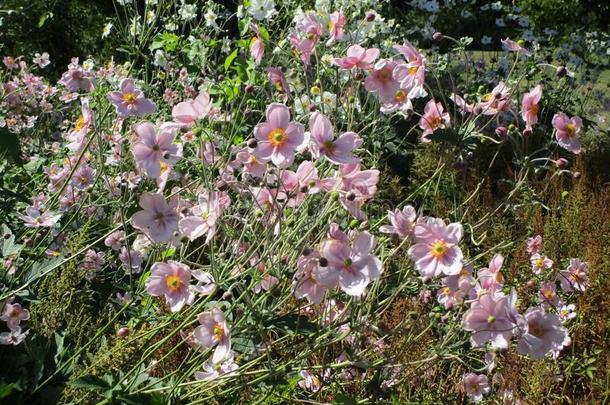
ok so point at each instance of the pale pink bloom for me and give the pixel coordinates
(534, 245)
(541, 333)
(567, 312)
(204, 215)
(358, 57)
(305, 282)
(252, 165)
(355, 187)
(14, 337)
(548, 294)
(298, 185)
(10, 62)
(34, 218)
(158, 219)
(353, 265)
(212, 370)
(78, 136)
(476, 386)
(491, 278)
(403, 222)
(130, 100)
(490, 360)
(457, 288)
(205, 282)
(115, 240)
(510, 45)
(339, 151)
(278, 138)
(257, 45)
(495, 102)
(267, 282)
(214, 332)
(434, 118)
(83, 177)
(381, 80)
(309, 381)
(171, 280)
(575, 276)
(131, 260)
(93, 260)
(540, 262)
(566, 131)
(336, 23)
(490, 319)
(530, 106)
(77, 78)
(13, 314)
(436, 249)
(155, 148)
(188, 112)
(411, 75)
(306, 37)
(278, 80)
(41, 60)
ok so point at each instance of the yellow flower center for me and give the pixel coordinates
(571, 129)
(491, 319)
(487, 97)
(413, 70)
(385, 75)
(400, 96)
(534, 109)
(218, 332)
(79, 124)
(277, 137)
(129, 98)
(438, 249)
(331, 25)
(278, 84)
(435, 122)
(539, 262)
(163, 166)
(446, 291)
(173, 282)
(549, 294)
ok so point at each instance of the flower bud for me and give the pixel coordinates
(561, 71)
(527, 131)
(323, 261)
(249, 89)
(437, 36)
(561, 163)
(501, 132)
(252, 143)
(123, 332)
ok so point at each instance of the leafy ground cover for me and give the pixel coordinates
(330, 202)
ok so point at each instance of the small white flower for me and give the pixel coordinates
(160, 58)
(210, 18)
(106, 30)
(485, 40)
(187, 12)
(262, 9)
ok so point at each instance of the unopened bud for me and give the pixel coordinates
(252, 143)
(323, 262)
(561, 71)
(249, 89)
(561, 163)
(123, 332)
(501, 132)
(437, 36)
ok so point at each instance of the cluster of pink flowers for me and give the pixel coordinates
(13, 313)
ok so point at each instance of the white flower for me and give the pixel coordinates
(106, 30)
(497, 6)
(210, 18)
(302, 104)
(485, 40)
(171, 26)
(187, 12)
(500, 22)
(160, 58)
(42, 60)
(431, 6)
(135, 27)
(226, 45)
(89, 64)
(124, 2)
(262, 9)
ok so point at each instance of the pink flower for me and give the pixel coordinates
(566, 131)
(534, 245)
(278, 138)
(403, 222)
(491, 278)
(257, 45)
(530, 107)
(358, 57)
(495, 102)
(353, 265)
(489, 319)
(306, 37)
(115, 240)
(13, 314)
(540, 262)
(158, 219)
(214, 332)
(476, 386)
(188, 112)
(298, 185)
(434, 118)
(212, 370)
(34, 218)
(78, 136)
(204, 215)
(14, 337)
(278, 80)
(309, 381)
(575, 276)
(155, 148)
(548, 294)
(381, 80)
(305, 283)
(510, 45)
(542, 333)
(336, 23)
(130, 100)
(436, 249)
(567, 312)
(338, 151)
(131, 260)
(83, 177)
(77, 78)
(171, 280)
(251, 164)
(411, 75)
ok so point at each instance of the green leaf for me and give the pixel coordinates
(6, 389)
(264, 33)
(343, 399)
(230, 59)
(10, 148)
(39, 268)
(92, 382)
(291, 323)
